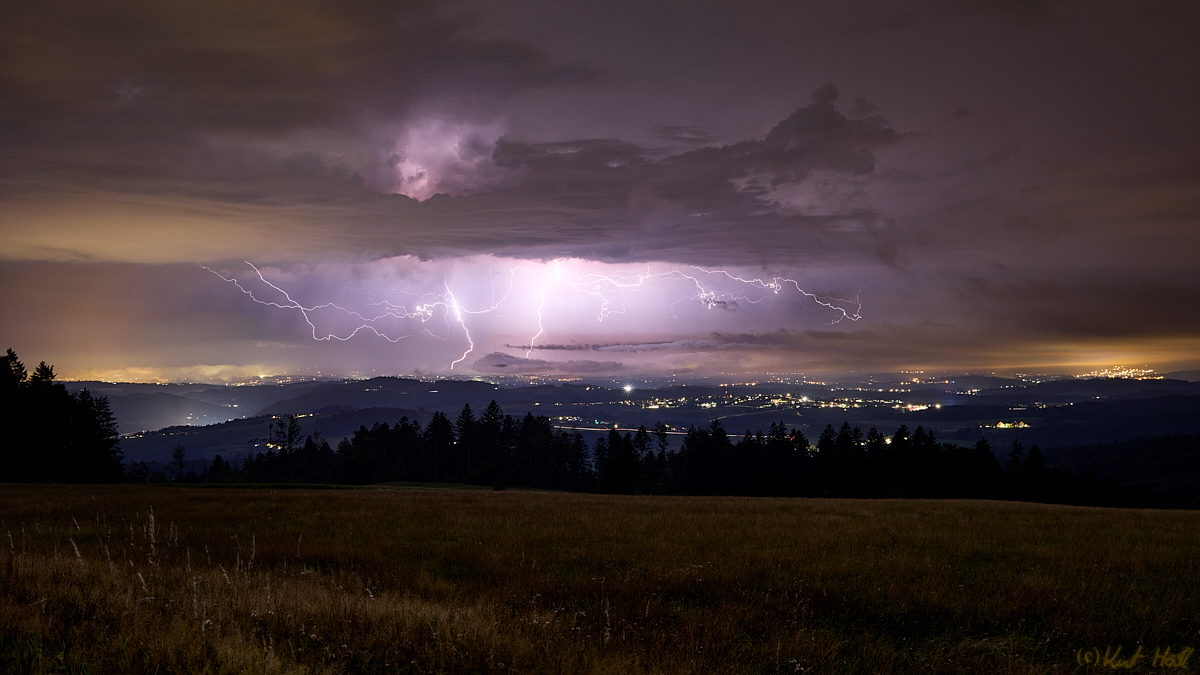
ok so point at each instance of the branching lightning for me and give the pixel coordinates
(458, 315)
(423, 311)
(610, 294)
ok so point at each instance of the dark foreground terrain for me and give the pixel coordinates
(156, 579)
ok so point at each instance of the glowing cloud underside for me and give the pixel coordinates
(491, 302)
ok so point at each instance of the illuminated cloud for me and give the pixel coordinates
(433, 156)
(440, 313)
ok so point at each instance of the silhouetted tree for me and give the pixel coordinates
(93, 454)
(317, 459)
(893, 464)
(219, 471)
(179, 463)
(1037, 476)
(876, 453)
(787, 465)
(42, 375)
(408, 438)
(578, 475)
(486, 448)
(980, 473)
(48, 434)
(465, 426)
(12, 372)
(843, 460)
(619, 472)
(924, 474)
(531, 459)
(1014, 471)
(439, 445)
(703, 457)
(359, 456)
(530, 452)
(138, 472)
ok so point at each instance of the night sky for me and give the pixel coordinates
(197, 190)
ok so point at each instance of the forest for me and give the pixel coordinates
(502, 451)
(54, 436)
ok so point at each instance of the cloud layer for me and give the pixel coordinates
(1000, 185)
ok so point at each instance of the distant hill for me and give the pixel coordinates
(386, 392)
(445, 395)
(141, 407)
(232, 439)
(252, 398)
(1075, 390)
(1101, 422)
(1062, 412)
(139, 412)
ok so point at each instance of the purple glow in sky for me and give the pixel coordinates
(472, 311)
(1002, 184)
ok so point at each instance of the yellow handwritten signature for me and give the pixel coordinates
(1111, 658)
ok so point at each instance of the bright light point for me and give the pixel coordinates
(628, 388)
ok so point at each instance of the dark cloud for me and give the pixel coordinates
(673, 345)
(861, 107)
(1088, 310)
(775, 340)
(814, 137)
(557, 348)
(628, 188)
(685, 135)
(500, 363)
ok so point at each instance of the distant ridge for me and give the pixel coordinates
(385, 392)
(1189, 375)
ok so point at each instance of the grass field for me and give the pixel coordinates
(161, 580)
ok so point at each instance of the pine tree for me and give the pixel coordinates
(12, 372)
(1014, 471)
(179, 462)
(465, 426)
(439, 441)
(93, 455)
(42, 375)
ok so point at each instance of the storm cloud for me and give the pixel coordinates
(993, 185)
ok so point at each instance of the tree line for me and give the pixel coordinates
(489, 449)
(501, 450)
(50, 435)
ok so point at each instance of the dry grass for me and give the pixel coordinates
(144, 579)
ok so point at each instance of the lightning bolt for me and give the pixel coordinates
(776, 284)
(424, 312)
(556, 276)
(458, 314)
(611, 292)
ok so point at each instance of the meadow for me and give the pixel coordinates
(156, 579)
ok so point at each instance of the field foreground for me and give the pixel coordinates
(154, 580)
